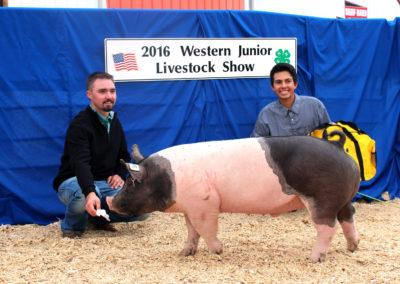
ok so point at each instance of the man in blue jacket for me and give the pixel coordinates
(90, 169)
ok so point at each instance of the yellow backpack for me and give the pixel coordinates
(358, 145)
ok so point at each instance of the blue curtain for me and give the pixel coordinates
(46, 55)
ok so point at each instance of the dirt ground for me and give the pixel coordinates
(257, 249)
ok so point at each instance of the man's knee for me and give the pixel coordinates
(77, 204)
(142, 217)
(73, 199)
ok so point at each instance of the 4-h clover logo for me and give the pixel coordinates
(282, 56)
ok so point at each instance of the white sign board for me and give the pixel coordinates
(139, 59)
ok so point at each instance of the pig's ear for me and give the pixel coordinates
(135, 171)
(136, 155)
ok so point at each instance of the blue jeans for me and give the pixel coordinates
(70, 193)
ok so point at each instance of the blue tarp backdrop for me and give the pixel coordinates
(353, 66)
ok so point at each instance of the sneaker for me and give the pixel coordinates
(105, 227)
(71, 235)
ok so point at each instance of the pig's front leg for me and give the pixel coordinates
(192, 240)
(206, 224)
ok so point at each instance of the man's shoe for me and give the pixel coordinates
(71, 235)
(105, 227)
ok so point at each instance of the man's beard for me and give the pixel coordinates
(108, 108)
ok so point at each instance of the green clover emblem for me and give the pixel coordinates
(282, 56)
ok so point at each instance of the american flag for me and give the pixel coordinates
(125, 61)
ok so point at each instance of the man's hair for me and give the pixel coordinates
(97, 75)
(283, 67)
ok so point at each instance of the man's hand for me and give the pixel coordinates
(115, 181)
(92, 203)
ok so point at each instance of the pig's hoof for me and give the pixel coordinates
(218, 251)
(215, 246)
(318, 258)
(188, 251)
(352, 246)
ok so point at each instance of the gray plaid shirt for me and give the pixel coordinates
(276, 120)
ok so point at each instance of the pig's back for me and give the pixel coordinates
(237, 170)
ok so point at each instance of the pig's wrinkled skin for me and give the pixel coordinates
(255, 176)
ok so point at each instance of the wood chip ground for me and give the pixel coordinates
(257, 249)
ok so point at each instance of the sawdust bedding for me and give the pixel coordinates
(257, 249)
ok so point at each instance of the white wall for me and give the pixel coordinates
(317, 8)
(388, 9)
(58, 3)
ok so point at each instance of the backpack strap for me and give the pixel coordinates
(352, 125)
(358, 151)
(321, 126)
(325, 134)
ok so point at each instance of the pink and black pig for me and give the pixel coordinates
(270, 175)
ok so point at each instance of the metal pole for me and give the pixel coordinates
(102, 3)
(251, 5)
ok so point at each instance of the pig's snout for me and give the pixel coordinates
(109, 200)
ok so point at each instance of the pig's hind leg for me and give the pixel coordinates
(345, 217)
(324, 237)
(325, 222)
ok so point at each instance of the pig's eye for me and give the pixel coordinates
(136, 183)
(129, 184)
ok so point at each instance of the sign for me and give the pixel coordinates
(355, 12)
(352, 10)
(139, 59)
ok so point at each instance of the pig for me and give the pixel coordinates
(265, 175)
